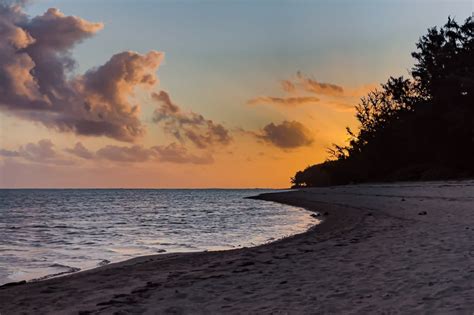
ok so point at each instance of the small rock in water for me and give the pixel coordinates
(422, 213)
(161, 251)
(315, 215)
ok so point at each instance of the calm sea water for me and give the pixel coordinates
(48, 232)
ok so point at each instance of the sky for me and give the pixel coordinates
(188, 93)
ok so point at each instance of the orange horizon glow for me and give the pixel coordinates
(89, 104)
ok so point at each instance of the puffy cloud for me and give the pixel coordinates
(106, 93)
(57, 32)
(16, 83)
(286, 135)
(284, 101)
(188, 126)
(81, 151)
(41, 152)
(36, 80)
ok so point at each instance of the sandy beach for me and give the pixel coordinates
(388, 248)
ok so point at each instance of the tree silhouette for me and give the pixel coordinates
(416, 128)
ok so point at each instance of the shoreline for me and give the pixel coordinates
(124, 261)
(376, 255)
(325, 229)
(262, 197)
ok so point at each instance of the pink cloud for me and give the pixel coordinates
(37, 81)
(41, 152)
(188, 126)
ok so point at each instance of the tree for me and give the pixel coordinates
(416, 128)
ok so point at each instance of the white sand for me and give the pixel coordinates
(374, 253)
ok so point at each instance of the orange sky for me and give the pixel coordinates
(86, 102)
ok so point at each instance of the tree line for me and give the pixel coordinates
(416, 128)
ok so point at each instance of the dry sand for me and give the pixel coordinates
(404, 248)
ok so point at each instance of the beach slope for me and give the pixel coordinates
(398, 248)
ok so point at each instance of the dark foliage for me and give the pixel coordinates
(421, 128)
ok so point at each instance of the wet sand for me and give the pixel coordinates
(402, 248)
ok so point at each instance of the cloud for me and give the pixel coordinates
(286, 135)
(303, 88)
(57, 32)
(9, 153)
(172, 153)
(136, 153)
(37, 81)
(288, 86)
(107, 91)
(304, 83)
(340, 106)
(176, 153)
(301, 84)
(188, 126)
(41, 152)
(313, 86)
(81, 151)
(284, 101)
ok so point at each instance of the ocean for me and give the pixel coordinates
(47, 232)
